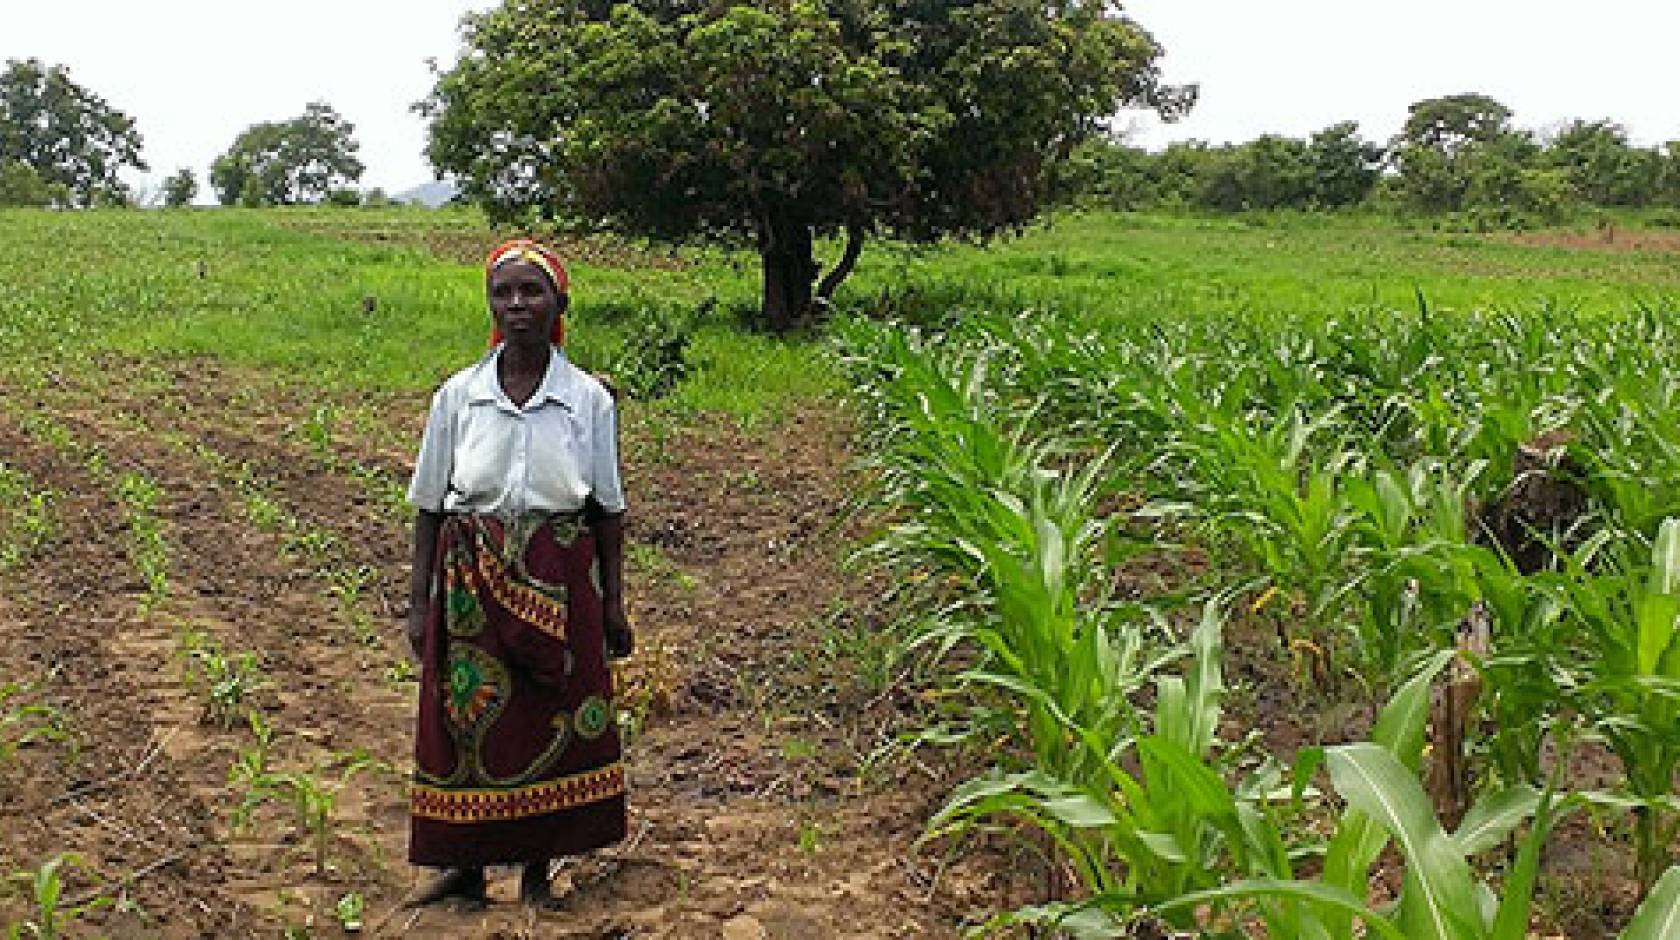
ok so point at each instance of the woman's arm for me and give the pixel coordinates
(426, 526)
(609, 557)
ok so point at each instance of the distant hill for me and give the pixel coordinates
(431, 194)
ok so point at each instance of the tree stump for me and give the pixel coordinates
(1452, 704)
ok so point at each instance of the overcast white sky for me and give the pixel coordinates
(1295, 66)
(194, 73)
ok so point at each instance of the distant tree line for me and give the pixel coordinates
(853, 159)
(62, 145)
(1457, 154)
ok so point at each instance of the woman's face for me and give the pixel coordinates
(523, 302)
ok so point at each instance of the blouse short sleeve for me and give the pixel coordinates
(430, 483)
(605, 484)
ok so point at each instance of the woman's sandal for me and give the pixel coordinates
(465, 886)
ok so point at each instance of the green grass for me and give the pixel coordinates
(1105, 264)
(283, 289)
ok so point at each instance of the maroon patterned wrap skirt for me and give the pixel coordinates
(517, 753)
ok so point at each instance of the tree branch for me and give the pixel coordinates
(843, 267)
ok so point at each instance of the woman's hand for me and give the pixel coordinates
(609, 552)
(620, 641)
(427, 525)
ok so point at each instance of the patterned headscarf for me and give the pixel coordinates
(546, 261)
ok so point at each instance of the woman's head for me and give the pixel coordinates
(526, 285)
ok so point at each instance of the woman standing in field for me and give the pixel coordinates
(516, 599)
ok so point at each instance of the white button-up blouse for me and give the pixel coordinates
(482, 453)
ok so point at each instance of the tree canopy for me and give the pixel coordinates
(287, 162)
(1451, 123)
(1459, 150)
(180, 188)
(1602, 165)
(774, 123)
(59, 142)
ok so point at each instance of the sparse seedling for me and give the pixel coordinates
(351, 910)
(748, 481)
(401, 672)
(851, 649)
(263, 511)
(347, 585)
(139, 496)
(51, 432)
(650, 562)
(318, 431)
(260, 506)
(312, 795)
(249, 772)
(23, 723)
(26, 518)
(798, 749)
(224, 683)
(51, 916)
(315, 546)
(810, 836)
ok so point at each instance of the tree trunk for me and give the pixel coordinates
(784, 247)
(843, 267)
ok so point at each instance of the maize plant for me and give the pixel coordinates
(23, 723)
(52, 915)
(1630, 689)
(1348, 463)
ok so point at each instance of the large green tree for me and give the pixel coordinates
(1269, 172)
(20, 185)
(1602, 165)
(72, 141)
(1455, 122)
(287, 162)
(1450, 142)
(774, 123)
(1345, 166)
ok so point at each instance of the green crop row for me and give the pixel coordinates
(26, 518)
(1342, 473)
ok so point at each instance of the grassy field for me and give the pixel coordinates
(286, 289)
(206, 419)
(1107, 266)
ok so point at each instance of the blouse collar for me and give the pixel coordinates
(486, 388)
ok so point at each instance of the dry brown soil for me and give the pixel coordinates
(1609, 238)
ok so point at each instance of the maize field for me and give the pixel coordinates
(1355, 495)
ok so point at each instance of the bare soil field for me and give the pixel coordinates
(1607, 238)
(285, 539)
